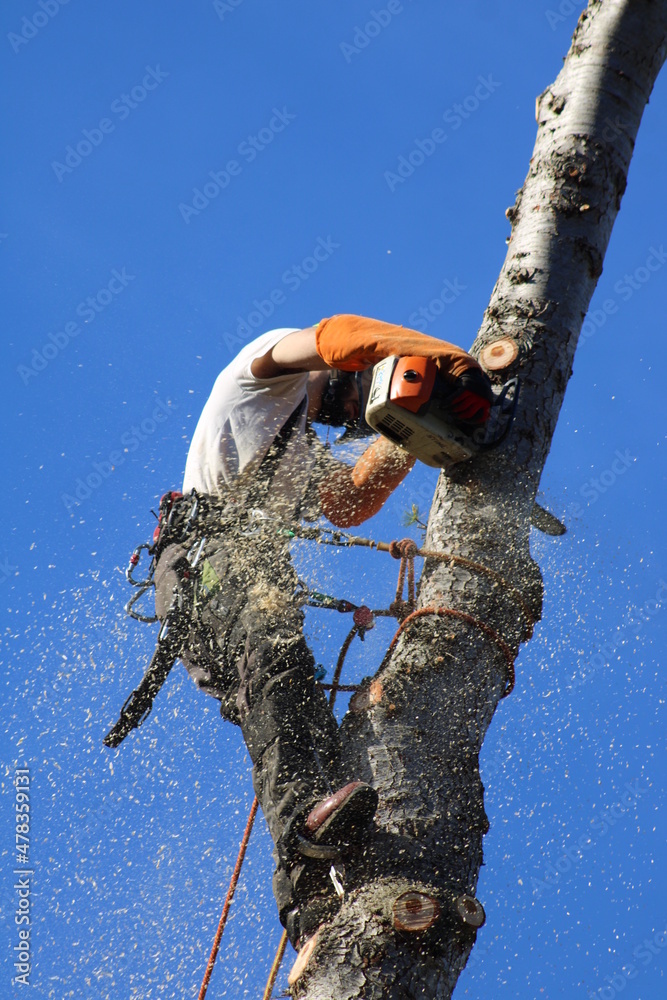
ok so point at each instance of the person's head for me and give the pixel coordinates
(343, 402)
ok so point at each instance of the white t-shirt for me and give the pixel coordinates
(239, 423)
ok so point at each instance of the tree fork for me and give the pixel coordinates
(418, 740)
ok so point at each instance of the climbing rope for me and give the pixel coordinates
(406, 550)
(275, 968)
(329, 536)
(405, 611)
(228, 901)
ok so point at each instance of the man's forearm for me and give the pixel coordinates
(354, 343)
(351, 495)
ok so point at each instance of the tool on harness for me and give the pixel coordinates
(411, 404)
(176, 522)
(142, 585)
(139, 704)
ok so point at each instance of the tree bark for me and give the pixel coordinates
(419, 741)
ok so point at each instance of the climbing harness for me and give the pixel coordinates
(182, 520)
(176, 523)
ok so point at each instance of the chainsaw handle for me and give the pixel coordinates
(507, 409)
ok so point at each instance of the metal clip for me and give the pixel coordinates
(129, 607)
(192, 515)
(193, 561)
(337, 884)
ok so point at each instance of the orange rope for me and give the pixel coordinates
(392, 547)
(463, 616)
(405, 550)
(487, 571)
(228, 901)
(268, 990)
(404, 610)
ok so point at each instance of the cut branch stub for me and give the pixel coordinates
(500, 354)
(366, 697)
(470, 910)
(302, 959)
(415, 911)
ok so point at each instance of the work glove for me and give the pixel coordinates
(472, 397)
(353, 343)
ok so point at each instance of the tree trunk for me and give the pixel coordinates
(417, 737)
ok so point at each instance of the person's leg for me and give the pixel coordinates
(276, 702)
(314, 817)
(246, 648)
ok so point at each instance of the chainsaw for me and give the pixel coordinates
(408, 403)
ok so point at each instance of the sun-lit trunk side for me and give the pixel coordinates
(419, 741)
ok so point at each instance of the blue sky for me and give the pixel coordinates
(125, 291)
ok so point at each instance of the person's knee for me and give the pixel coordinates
(276, 664)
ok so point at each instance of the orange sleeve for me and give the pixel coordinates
(350, 495)
(353, 343)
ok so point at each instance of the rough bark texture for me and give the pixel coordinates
(419, 745)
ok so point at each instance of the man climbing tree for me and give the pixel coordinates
(408, 920)
(226, 590)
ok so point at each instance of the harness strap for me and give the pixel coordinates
(268, 467)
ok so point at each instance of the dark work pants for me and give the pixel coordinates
(245, 647)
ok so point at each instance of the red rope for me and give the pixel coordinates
(405, 550)
(228, 901)
(404, 610)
